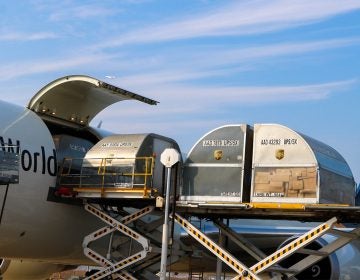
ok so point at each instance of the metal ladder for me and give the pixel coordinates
(271, 261)
(110, 268)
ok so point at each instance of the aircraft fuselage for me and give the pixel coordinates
(41, 229)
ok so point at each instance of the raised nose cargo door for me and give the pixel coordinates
(78, 99)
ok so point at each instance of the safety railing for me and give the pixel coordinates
(106, 174)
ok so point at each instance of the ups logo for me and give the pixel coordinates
(218, 154)
(280, 154)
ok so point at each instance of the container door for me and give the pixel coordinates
(284, 166)
(214, 169)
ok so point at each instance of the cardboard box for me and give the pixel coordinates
(298, 172)
(277, 189)
(262, 188)
(262, 178)
(268, 188)
(310, 195)
(261, 173)
(283, 171)
(276, 184)
(279, 178)
(311, 173)
(292, 193)
(297, 185)
(310, 183)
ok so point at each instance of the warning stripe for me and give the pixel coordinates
(114, 223)
(125, 220)
(292, 247)
(106, 263)
(111, 268)
(216, 250)
(118, 266)
(123, 275)
(96, 257)
(128, 219)
(101, 232)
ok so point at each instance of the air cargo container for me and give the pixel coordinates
(291, 167)
(218, 166)
(123, 166)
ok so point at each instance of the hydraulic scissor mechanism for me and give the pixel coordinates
(116, 268)
(270, 263)
(221, 253)
(342, 238)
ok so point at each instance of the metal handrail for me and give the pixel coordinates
(80, 174)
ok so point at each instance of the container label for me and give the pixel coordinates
(221, 143)
(231, 194)
(117, 145)
(277, 142)
(77, 148)
(268, 194)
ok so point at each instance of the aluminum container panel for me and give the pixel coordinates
(333, 186)
(214, 168)
(278, 145)
(328, 158)
(118, 146)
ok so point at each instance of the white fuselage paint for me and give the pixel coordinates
(33, 228)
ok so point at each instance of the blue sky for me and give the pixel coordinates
(209, 63)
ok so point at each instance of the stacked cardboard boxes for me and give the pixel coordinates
(285, 182)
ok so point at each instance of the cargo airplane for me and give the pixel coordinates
(41, 233)
(37, 235)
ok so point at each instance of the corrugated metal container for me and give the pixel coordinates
(291, 167)
(216, 167)
(129, 161)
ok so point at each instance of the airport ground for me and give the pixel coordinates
(78, 274)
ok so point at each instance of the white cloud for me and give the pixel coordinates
(268, 51)
(22, 36)
(203, 62)
(240, 18)
(23, 68)
(185, 66)
(199, 99)
(166, 76)
(66, 12)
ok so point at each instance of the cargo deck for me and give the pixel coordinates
(275, 211)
